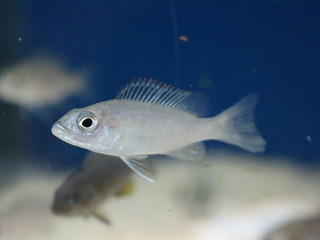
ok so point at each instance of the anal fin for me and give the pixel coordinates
(194, 151)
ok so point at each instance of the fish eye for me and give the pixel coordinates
(87, 121)
(72, 200)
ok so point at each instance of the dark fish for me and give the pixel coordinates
(301, 229)
(84, 190)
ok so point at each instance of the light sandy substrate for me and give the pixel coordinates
(225, 197)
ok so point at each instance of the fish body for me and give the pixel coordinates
(139, 128)
(150, 118)
(84, 190)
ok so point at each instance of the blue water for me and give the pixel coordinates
(234, 48)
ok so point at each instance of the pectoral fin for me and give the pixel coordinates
(141, 165)
(193, 151)
(127, 190)
(102, 217)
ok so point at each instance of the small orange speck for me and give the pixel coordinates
(183, 38)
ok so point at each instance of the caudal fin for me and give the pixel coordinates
(236, 126)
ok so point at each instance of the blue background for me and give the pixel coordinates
(235, 47)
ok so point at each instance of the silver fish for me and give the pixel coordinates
(149, 118)
(84, 190)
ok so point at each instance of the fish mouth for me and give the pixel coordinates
(58, 130)
(59, 209)
(56, 209)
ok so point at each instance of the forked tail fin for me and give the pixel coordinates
(236, 126)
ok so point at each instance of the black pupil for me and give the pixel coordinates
(87, 122)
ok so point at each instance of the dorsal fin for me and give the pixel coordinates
(148, 90)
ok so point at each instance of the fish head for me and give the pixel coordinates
(73, 201)
(84, 128)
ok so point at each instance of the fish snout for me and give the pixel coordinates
(58, 130)
(58, 209)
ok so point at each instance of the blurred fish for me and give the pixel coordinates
(303, 229)
(155, 118)
(39, 81)
(83, 191)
